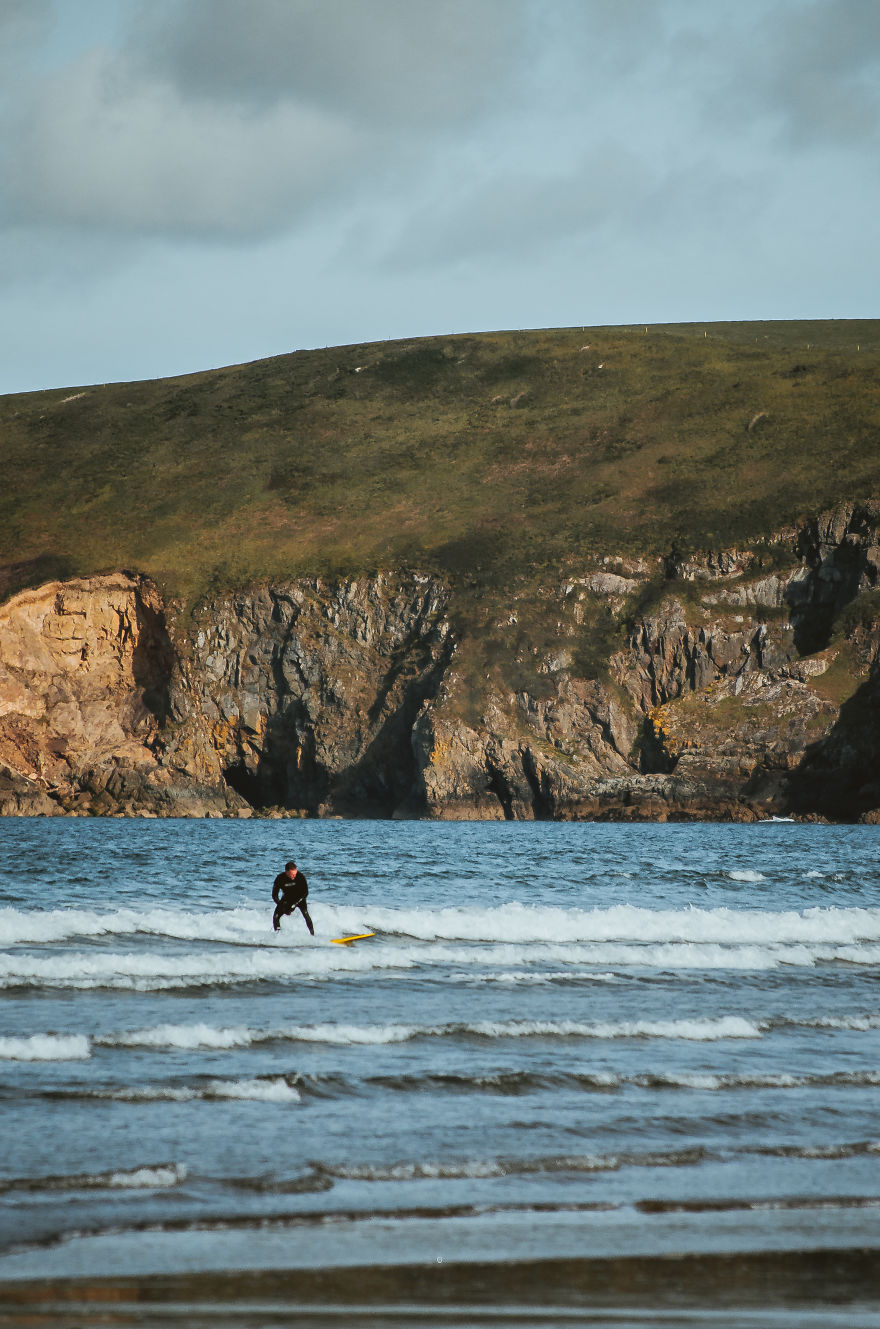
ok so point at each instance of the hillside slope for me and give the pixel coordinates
(601, 572)
(500, 453)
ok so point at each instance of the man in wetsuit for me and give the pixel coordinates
(289, 891)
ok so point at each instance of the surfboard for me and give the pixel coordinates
(344, 941)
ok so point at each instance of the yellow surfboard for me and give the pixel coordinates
(344, 941)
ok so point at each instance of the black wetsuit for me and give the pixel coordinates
(289, 895)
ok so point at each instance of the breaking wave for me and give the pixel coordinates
(147, 971)
(510, 923)
(508, 1167)
(158, 1176)
(297, 1088)
(53, 925)
(321, 1176)
(498, 944)
(192, 1037)
(269, 1090)
(725, 1027)
(520, 1082)
(206, 1037)
(187, 1037)
(45, 1047)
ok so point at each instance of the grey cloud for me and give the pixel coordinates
(396, 61)
(31, 259)
(226, 121)
(24, 21)
(813, 66)
(829, 85)
(23, 25)
(609, 33)
(518, 212)
(97, 148)
(219, 120)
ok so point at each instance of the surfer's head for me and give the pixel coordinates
(290, 867)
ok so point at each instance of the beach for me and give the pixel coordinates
(798, 1288)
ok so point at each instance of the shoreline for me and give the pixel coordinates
(749, 1280)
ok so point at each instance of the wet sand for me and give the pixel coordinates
(789, 1288)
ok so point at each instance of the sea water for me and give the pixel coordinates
(564, 1039)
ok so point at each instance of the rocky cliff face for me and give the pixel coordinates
(735, 683)
(83, 665)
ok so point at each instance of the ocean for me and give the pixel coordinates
(564, 1040)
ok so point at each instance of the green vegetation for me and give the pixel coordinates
(497, 460)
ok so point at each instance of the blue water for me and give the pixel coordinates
(563, 1039)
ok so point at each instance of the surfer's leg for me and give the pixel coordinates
(305, 913)
(281, 909)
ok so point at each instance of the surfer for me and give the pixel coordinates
(289, 891)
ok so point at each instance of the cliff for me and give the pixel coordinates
(736, 683)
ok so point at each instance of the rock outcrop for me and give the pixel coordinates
(83, 667)
(731, 683)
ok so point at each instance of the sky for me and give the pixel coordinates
(191, 183)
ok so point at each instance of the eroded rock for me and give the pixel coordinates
(724, 697)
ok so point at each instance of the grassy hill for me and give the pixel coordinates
(492, 458)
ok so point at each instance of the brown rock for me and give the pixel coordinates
(355, 697)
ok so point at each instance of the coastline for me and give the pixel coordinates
(803, 1280)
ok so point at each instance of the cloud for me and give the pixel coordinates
(520, 210)
(222, 121)
(829, 86)
(813, 68)
(96, 149)
(24, 25)
(466, 145)
(393, 63)
(489, 122)
(24, 21)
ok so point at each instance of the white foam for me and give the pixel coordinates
(729, 1026)
(858, 1023)
(188, 1037)
(45, 1047)
(154, 1177)
(372, 1035)
(231, 925)
(506, 940)
(832, 1151)
(746, 874)
(695, 1080)
(780, 1080)
(148, 971)
(477, 1168)
(351, 1034)
(520, 923)
(527, 978)
(195, 1037)
(474, 1169)
(263, 1091)
(514, 922)
(148, 1178)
